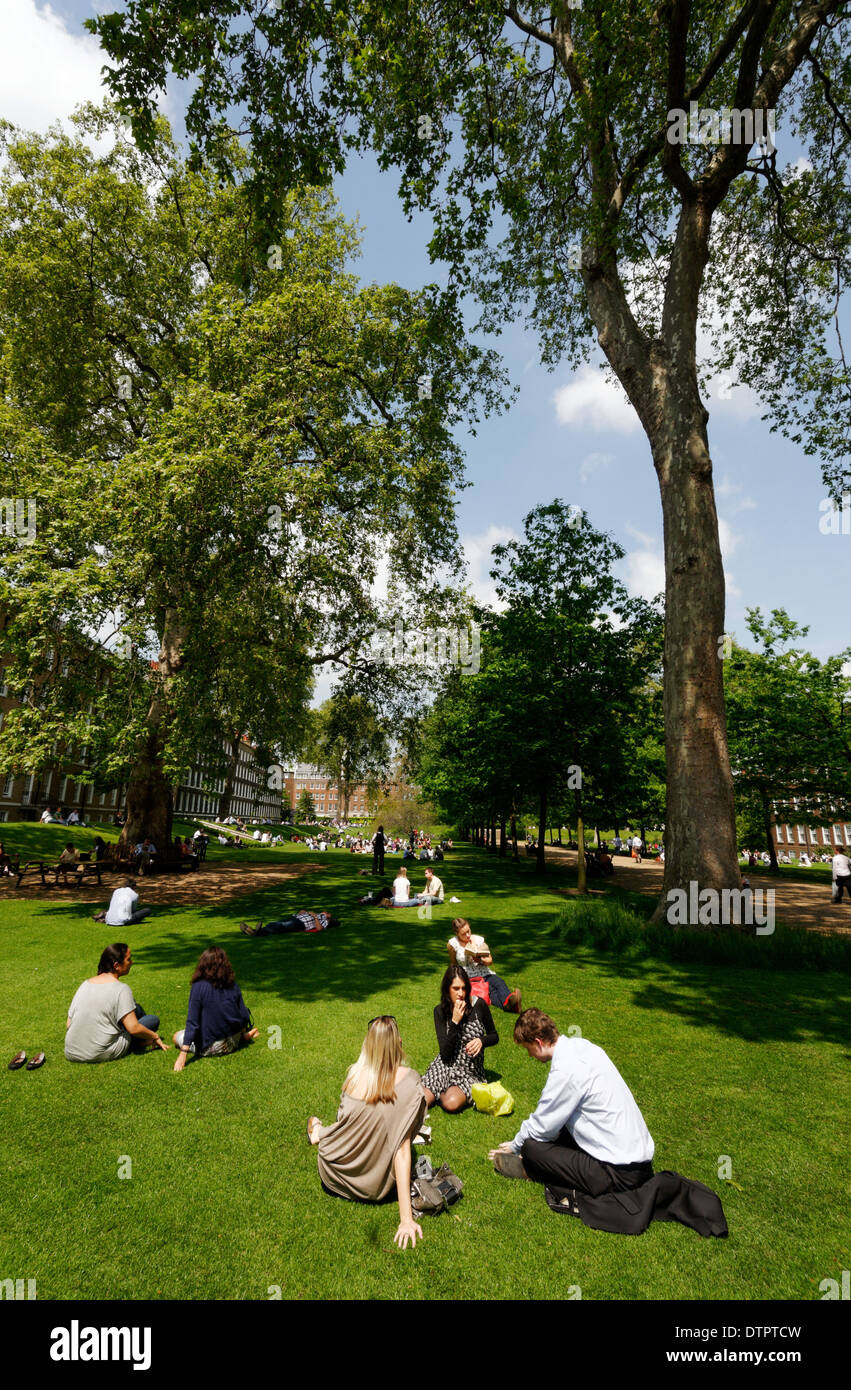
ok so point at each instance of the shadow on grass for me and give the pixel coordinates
(774, 1006)
(374, 952)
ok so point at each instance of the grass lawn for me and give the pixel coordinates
(224, 1200)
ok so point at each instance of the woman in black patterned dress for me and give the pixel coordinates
(464, 1029)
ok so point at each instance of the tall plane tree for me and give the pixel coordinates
(221, 438)
(613, 149)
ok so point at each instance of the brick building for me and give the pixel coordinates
(824, 839)
(327, 797)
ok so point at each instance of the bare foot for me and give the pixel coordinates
(311, 1128)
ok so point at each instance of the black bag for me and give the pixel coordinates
(439, 1192)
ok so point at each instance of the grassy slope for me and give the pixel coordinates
(224, 1200)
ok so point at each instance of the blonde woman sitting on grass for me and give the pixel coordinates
(366, 1152)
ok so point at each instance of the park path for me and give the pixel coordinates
(212, 883)
(798, 904)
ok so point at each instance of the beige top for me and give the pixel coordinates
(356, 1153)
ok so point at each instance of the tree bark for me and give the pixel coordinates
(660, 377)
(514, 850)
(581, 869)
(502, 843)
(540, 856)
(769, 838)
(230, 778)
(150, 799)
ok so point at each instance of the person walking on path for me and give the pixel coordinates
(841, 869)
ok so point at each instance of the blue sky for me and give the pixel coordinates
(567, 435)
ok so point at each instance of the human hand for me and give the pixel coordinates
(501, 1149)
(252, 1034)
(458, 1010)
(313, 1124)
(474, 1047)
(164, 1047)
(408, 1231)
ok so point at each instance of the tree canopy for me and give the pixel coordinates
(599, 170)
(222, 442)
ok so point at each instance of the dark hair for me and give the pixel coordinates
(113, 955)
(215, 967)
(454, 972)
(532, 1024)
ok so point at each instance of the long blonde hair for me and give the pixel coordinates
(374, 1072)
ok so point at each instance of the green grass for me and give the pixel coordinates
(224, 1200)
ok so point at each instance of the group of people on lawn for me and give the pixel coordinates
(586, 1141)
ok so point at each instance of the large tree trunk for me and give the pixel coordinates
(514, 851)
(769, 838)
(581, 868)
(660, 378)
(230, 777)
(540, 857)
(700, 815)
(502, 842)
(150, 800)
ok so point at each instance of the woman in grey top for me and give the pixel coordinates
(104, 1020)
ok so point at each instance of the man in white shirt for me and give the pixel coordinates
(122, 911)
(587, 1134)
(841, 869)
(433, 890)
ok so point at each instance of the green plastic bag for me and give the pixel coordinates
(492, 1098)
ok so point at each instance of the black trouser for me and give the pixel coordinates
(378, 861)
(563, 1167)
(842, 881)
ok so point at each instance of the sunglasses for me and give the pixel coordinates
(390, 1017)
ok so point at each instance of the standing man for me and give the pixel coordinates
(636, 848)
(587, 1135)
(378, 844)
(841, 868)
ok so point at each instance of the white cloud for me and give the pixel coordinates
(731, 494)
(477, 554)
(728, 538)
(645, 573)
(593, 463)
(592, 402)
(46, 70)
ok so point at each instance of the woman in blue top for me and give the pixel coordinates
(218, 1021)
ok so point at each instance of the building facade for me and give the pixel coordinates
(327, 797)
(796, 840)
(25, 797)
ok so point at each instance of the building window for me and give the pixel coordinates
(779, 830)
(802, 840)
(7, 787)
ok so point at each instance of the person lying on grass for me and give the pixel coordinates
(218, 1021)
(104, 1020)
(472, 953)
(366, 1152)
(587, 1133)
(464, 1028)
(300, 921)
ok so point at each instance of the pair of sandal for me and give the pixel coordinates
(33, 1065)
